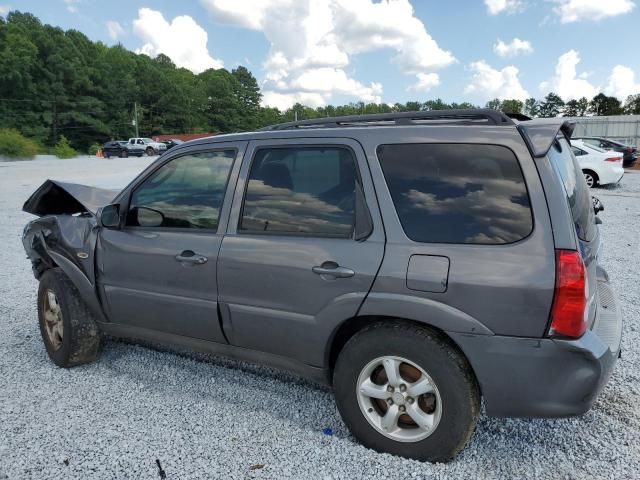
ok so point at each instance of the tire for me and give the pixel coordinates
(452, 405)
(78, 341)
(150, 151)
(106, 155)
(591, 178)
(124, 154)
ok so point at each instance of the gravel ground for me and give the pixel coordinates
(206, 417)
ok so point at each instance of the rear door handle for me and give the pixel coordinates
(334, 270)
(189, 256)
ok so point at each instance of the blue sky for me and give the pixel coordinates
(336, 51)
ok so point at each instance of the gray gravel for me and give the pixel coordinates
(206, 417)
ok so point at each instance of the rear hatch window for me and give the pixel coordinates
(578, 194)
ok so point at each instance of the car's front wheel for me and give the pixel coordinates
(124, 154)
(406, 390)
(69, 330)
(150, 151)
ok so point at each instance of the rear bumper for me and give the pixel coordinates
(526, 377)
(611, 175)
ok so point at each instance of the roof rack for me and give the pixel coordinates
(482, 116)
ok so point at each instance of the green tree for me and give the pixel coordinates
(583, 106)
(632, 105)
(63, 149)
(551, 106)
(602, 105)
(494, 104)
(531, 107)
(512, 106)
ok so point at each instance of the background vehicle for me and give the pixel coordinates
(150, 147)
(359, 252)
(600, 167)
(121, 148)
(172, 143)
(629, 152)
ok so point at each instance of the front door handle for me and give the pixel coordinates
(334, 270)
(189, 256)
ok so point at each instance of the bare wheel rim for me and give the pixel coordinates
(589, 178)
(53, 324)
(399, 399)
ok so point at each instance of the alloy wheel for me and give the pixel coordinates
(399, 399)
(53, 323)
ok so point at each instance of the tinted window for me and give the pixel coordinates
(577, 152)
(307, 190)
(447, 193)
(187, 192)
(578, 195)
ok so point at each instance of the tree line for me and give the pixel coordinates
(56, 83)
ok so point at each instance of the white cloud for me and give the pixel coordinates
(4, 9)
(494, 7)
(426, 81)
(183, 40)
(114, 29)
(72, 5)
(622, 83)
(578, 10)
(489, 83)
(513, 48)
(312, 43)
(565, 82)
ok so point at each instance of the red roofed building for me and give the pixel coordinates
(185, 137)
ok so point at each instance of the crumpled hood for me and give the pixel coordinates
(58, 198)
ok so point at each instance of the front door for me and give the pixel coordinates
(302, 248)
(159, 271)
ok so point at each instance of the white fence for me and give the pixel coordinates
(622, 128)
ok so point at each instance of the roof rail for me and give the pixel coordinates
(481, 116)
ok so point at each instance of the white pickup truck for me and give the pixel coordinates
(150, 147)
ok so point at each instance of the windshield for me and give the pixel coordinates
(147, 140)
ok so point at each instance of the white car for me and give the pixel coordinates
(150, 146)
(600, 167)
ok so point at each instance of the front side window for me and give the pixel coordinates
(577, 152)
(187, 192)
(457, 193)
(305, 190)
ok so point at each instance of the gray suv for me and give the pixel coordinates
(415, 262)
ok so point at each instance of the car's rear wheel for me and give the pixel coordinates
(124, 154)
(591, 178)
(150, 151)
(106, 154)
(69, 330)
(406, 390)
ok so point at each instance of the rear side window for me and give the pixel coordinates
(457, 193)
(576, 189)
(305, 190)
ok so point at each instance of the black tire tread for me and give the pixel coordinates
(447, 348)
(81, 342)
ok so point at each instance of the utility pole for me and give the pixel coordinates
(135, 112)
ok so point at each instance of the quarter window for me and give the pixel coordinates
(187, 192)
(462, 193)
(306, 190)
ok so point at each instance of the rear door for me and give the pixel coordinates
(302, 247)
(159, 271)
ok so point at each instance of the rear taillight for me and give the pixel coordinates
(613, 159)
(568, 313)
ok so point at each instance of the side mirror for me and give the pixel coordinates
(147, 217)
(110, 216)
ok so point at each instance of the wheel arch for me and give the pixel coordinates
(350, 327)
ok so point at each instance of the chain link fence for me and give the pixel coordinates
(621, 128)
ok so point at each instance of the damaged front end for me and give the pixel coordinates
(65, 235)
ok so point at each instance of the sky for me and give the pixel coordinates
(320, 52)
